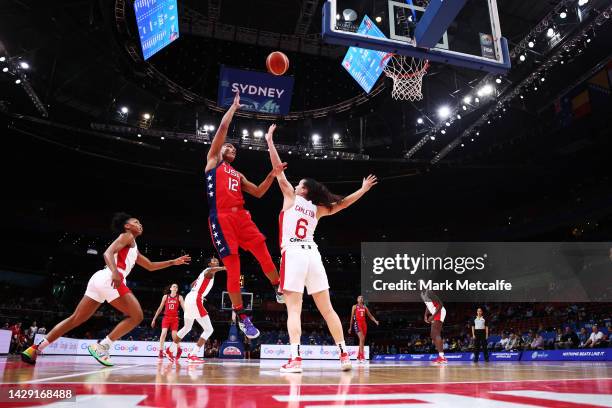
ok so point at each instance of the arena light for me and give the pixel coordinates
(185, 140)
(462, 145)
(498, 80)
(420, 121)
(447, 124)
(24, 65)
(432, 137)
(163, 138)
(258, 133)
(444, 112)
(139, 135)
(336, 136)
(464, 107)
(550, 33)
(476, 100)
(289, 152)
(211, 127)
(477, 133)
(443, 132)
(563, 14)
(124, 109)
(485, 90)
(521, 96)
(467, 99)
(5, 69)
(531, 44)
(458, 116)
(542, 79)
(147, 116)
(582, 2)
(378, 19)
(245, 132)
(2, 59)
(316, 138)
(522, 57)
(18, 81)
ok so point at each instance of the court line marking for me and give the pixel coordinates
(98, 371)
(315, 384)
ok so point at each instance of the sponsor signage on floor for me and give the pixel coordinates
(540, 355)
(5, 341)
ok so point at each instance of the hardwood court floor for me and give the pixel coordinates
(148, 382)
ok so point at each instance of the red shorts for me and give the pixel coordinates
(170, 323)
(233, 229)
(360, 327)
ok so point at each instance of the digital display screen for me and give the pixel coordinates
(362, 64)
(158, 25)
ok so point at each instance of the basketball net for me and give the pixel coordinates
(407, 74)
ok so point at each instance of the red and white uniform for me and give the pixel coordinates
(360, 324)
(230, 224)
(194, 309)
(432, 307)
(193, 301)
(301, 264)
(171, 317)
(100, 288)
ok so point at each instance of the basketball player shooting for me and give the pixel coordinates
(231, 226)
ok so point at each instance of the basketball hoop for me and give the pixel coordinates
(407, 74)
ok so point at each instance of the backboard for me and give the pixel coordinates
(465, 33)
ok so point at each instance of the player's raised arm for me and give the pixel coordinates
(154, 266)
(261, 189)
(367, 184)
(214, 153)
(210, 272)
(285, 186)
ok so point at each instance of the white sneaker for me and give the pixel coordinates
(345, 362)
(294, 365)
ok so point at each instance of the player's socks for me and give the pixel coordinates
(441, 354)
(43, 344)
(342, 347)
(245, 324)
(295, 350)
(197, 350)
(106, 343)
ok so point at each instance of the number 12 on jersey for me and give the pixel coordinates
(233, 184)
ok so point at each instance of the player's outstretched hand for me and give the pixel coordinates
(236, 104)
(152, 324)
(182, 260)
(369, 182)
(376, 321)
(270, 133)
(278, 169)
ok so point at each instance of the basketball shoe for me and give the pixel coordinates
(294, 365)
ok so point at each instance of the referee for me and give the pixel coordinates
(480, 332)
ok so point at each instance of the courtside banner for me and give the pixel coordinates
(487, 271)
(493, 356)
(568, 355)
(283, 352)
(5, 341)
(68, 346)
(259, 91)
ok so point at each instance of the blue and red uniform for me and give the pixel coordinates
(360, 325)
(171, 318)
(230, 224)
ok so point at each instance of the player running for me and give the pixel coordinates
(301, 264)
(109, 285)
(230, 224)
(170, 303)
(434, 315)
(359, 324)
(195, 311)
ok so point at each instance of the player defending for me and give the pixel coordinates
(434, 315)
(359, 324)
(109, 285)
(230, 224)
(170, 302)
(301, 264)
(195, 311)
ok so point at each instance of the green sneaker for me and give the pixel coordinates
(100, 353)
(29, 355)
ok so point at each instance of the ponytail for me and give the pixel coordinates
(319, 194)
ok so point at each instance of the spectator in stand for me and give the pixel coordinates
(583, 337)
(32, 332)
(502, 343)
(537, 343)
(42, 330)
(527, 339)
(514, 343)
(569, 339)
(596, 339)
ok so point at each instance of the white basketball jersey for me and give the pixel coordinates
(297, 224)
(202, 285)
(125, 259)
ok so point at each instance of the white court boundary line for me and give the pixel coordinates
(310, 384)
(98, 371)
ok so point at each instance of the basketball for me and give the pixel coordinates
(277, 63)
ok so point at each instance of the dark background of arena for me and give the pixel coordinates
(532, 175)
